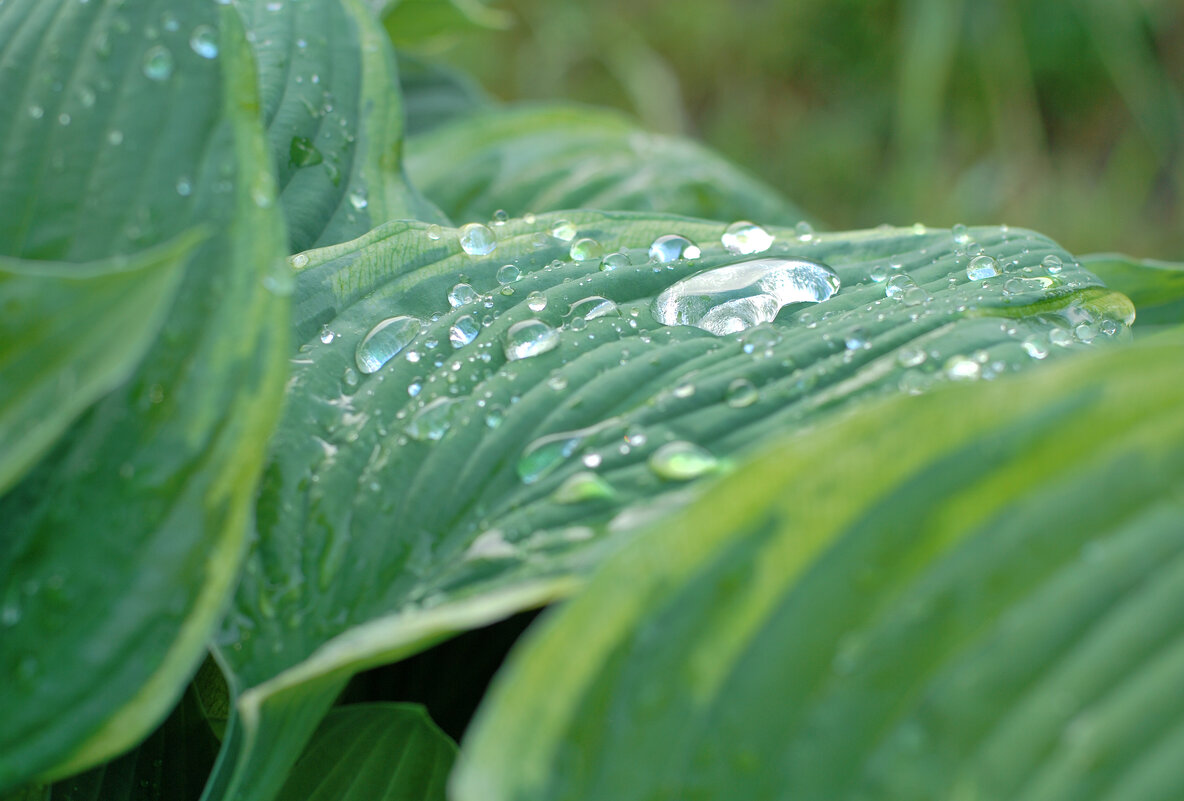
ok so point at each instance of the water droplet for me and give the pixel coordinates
(741, 393)
(681, 461)
(898, 284)
(683, 390)
(1109, 327)
(856, 339)
(593, 307)
(463, 331)
(385, 340)
(158, 63)
(530, 338)
(358, 200)
(804, 230)
(546, 453)
(350, 377)
(461, 294)
(878, 273)
(508, 274)
(1052, 263)
(435, 232)
(432, 421)
(327, 334)
(184, 187)
(586, 250)
(673, 247)
(982, 268)
(298, 261)
(303, 153)
(736, 297)
(115, 137)
(910, 356)
(477, 239)
(536, 301)
(615, 261)
(746, 238)
(501, 217)
(582, 487)
(962, 368)
(961, 233)
(563, 229)
(36, 112)
(1085, 332)
(1035, 348)
(1060, 337)
(204, 41)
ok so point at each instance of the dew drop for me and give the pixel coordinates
(736, 297)
(536, 301)
(682, 461)
(327, 334)
(746, 238)
(461, 294)
(1052, 263)
(582, 487)
(586, 250)
(385, 340)
(432, 421)
(593, 307)
(546, 453)
(463, 331)
(204, 41)
(435, 232)
(563, 229)
(477, 239)
(741, 393)
(898, 284)
(615, 261)
(298, 261)
(158, 63)
(358, 200)
(672, 247)
(909, 356)
(962, 368)
(804, 230)
(1060, 337)
(982, 268)
(508, 274)
(530, 338)
(961, 233)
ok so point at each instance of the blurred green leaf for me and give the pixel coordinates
(533, 159)
(120, 547)
(373, 752)
(434, 94)
(420, 22)
(975, 594)
(453, 486)
(1155, 287)
(48, 373)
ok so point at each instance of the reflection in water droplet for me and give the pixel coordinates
(158, 63)
(741, 393)
(536, 301)
(477, 239)
(962, 368)
(461, 294)
(1052, 263)
(432, 421)
(586, 250)
(385, 340)
(746, 238)
(981, 268)
(463, 331)
(204, 41)
(673, 247)
(736, 297)
(681, 461)
(530, 338)
(581, 487)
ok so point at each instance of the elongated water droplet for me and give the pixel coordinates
(463, 331)
(385, 340)
(432, 421)
(582, 487)
(158, 63)
(681, 461)
(204, 41)
(746, 238)
(477, 239)
(981, 268)
(530, 338)
(594, 307)
(673, 247)
(461, 294)
(734, 298)
(546, 453)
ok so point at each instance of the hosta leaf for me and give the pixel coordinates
(1155, 287)
(48, 373)
(331, 105)
(373, 752)
(975, 594)
(533, 159)
(414, 22)
(452, 486)
(434, 94)
(119, 548)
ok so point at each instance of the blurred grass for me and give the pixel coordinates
(1062, 115)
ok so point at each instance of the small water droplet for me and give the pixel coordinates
(741, 393)
(1060, 337)
(327, 334)
(501, 217)
(184, 187)
(546, 453)
(1085, 332)
(298, 261)
(1052, 263)
(536, 301)
(586, 250)
(508, 274)
(736, 297)
(385, 340)
(961, 233)
(432, 421)
(158, 63)
(682, 461)
(350, 377)
(1035, 348)
(962, 368)
(898, 284)
(303, 153)
(878, 273)
(615, 261)
(477, 239)
(530, 338)
(856, 339)
(564, 229)
(36, 112)
(463, 331)
(358, 200)
(582, 487)
(746, 238)
(982, 268)
(204, 41)
(591, 308)
(910, 356)
(804, 230)
(672, 247)
(462, 294)
(435, 232)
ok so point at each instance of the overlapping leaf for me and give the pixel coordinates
(334, 118)
(453, 486)
(533, 159)
(1155, 287)
(122, 127)
(975, 594)
(434, 94)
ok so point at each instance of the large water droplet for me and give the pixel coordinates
(673, 247)
(1052, 263)
(982, 268)
(530, 338)
(385, 340)
(734, 298)
(461, 294)
(746, 238)
(681, 461)
(477, 239)
(204, 41)
(508, 274)
(158, 63)
(463, 331)
(615, 261)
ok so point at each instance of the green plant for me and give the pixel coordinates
(788, 576)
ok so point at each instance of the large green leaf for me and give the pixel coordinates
(373, 752)
(434, 94)
(977, 594)
(419, 22)
(532, 159)
(1155, 287)
(334, 119)
(48, 373)
(440, 492)
(118, 133)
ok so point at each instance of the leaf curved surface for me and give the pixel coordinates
(454, 486)
(434, 93)
(1155, 287)
(871, 611)
(48, 373)
(121, 545)
(334, 118)
(539, 158)
(373, 752)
